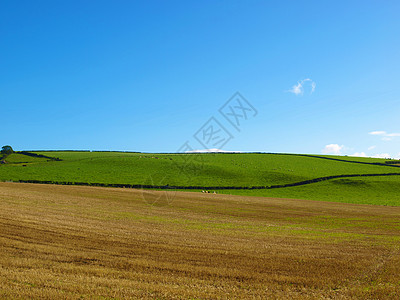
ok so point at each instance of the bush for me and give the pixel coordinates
(7, 150)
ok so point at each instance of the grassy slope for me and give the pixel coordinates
(218, 170)
(70, 242)
(17, 158)
(372, 190)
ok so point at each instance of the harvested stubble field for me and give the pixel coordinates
(73, 242)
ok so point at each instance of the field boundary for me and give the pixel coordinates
(27, 153)
(172, 187)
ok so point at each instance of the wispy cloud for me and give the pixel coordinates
(298, 89)
(377, 132)
(381, 155)
(385, 135)
(332, 149)
(371, 147)
(378, 155)
(359, 154)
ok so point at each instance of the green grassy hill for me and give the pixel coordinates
(216, 170)
(376, 190)
(17, 158)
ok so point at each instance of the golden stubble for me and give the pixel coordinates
(71, 242)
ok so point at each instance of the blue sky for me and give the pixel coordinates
(146, 75)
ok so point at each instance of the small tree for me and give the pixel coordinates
(7, 150)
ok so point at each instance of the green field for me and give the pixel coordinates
(17, 158)
(376, 191)
(216, 170)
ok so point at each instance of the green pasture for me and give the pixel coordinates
(208, 170)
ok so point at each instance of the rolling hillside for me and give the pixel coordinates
(245, 173)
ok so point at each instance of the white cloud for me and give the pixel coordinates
(378, 155)
(359, 154)
(393, 134)
(371, 147)
(332, 149)
(313, 86)
(385, 136)
(377, 132)
(381, 155)
(298, 89)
